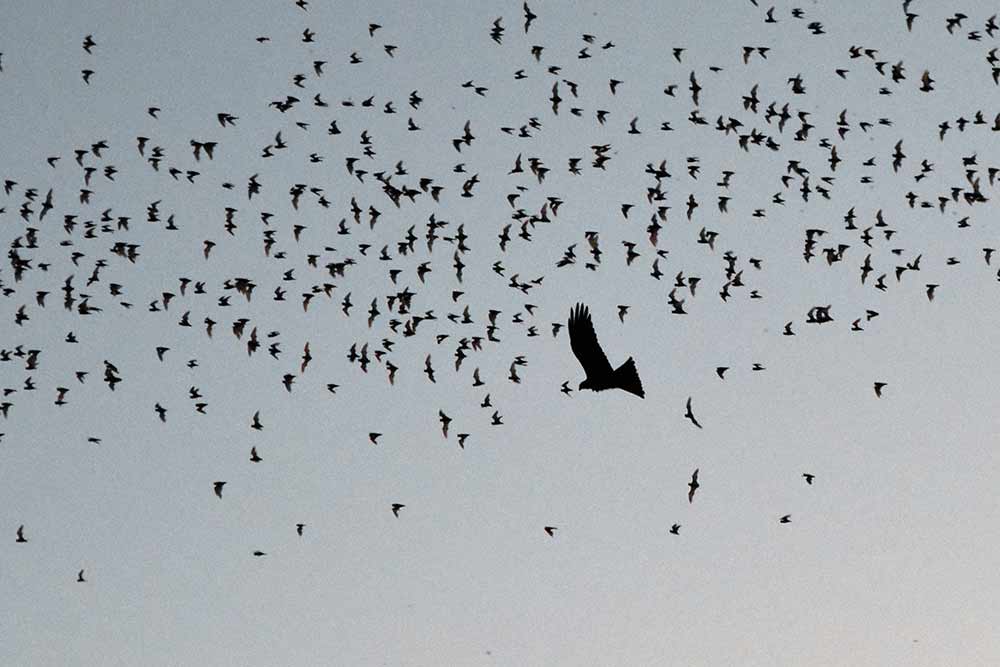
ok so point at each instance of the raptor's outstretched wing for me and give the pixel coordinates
(583, 341)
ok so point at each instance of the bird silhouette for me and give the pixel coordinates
(600, 375)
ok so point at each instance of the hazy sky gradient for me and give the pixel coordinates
(890, 555)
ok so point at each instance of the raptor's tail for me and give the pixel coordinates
(627, 378)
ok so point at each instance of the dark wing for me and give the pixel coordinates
(583, 341)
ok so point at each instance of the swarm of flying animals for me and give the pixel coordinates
(420, 319)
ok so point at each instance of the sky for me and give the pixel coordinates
(888, 554)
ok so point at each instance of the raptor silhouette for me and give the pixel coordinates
(600, 375)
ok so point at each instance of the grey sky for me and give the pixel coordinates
(889, 556)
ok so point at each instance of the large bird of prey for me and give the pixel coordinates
(600, 375)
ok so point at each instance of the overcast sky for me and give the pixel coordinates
(888, 557)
